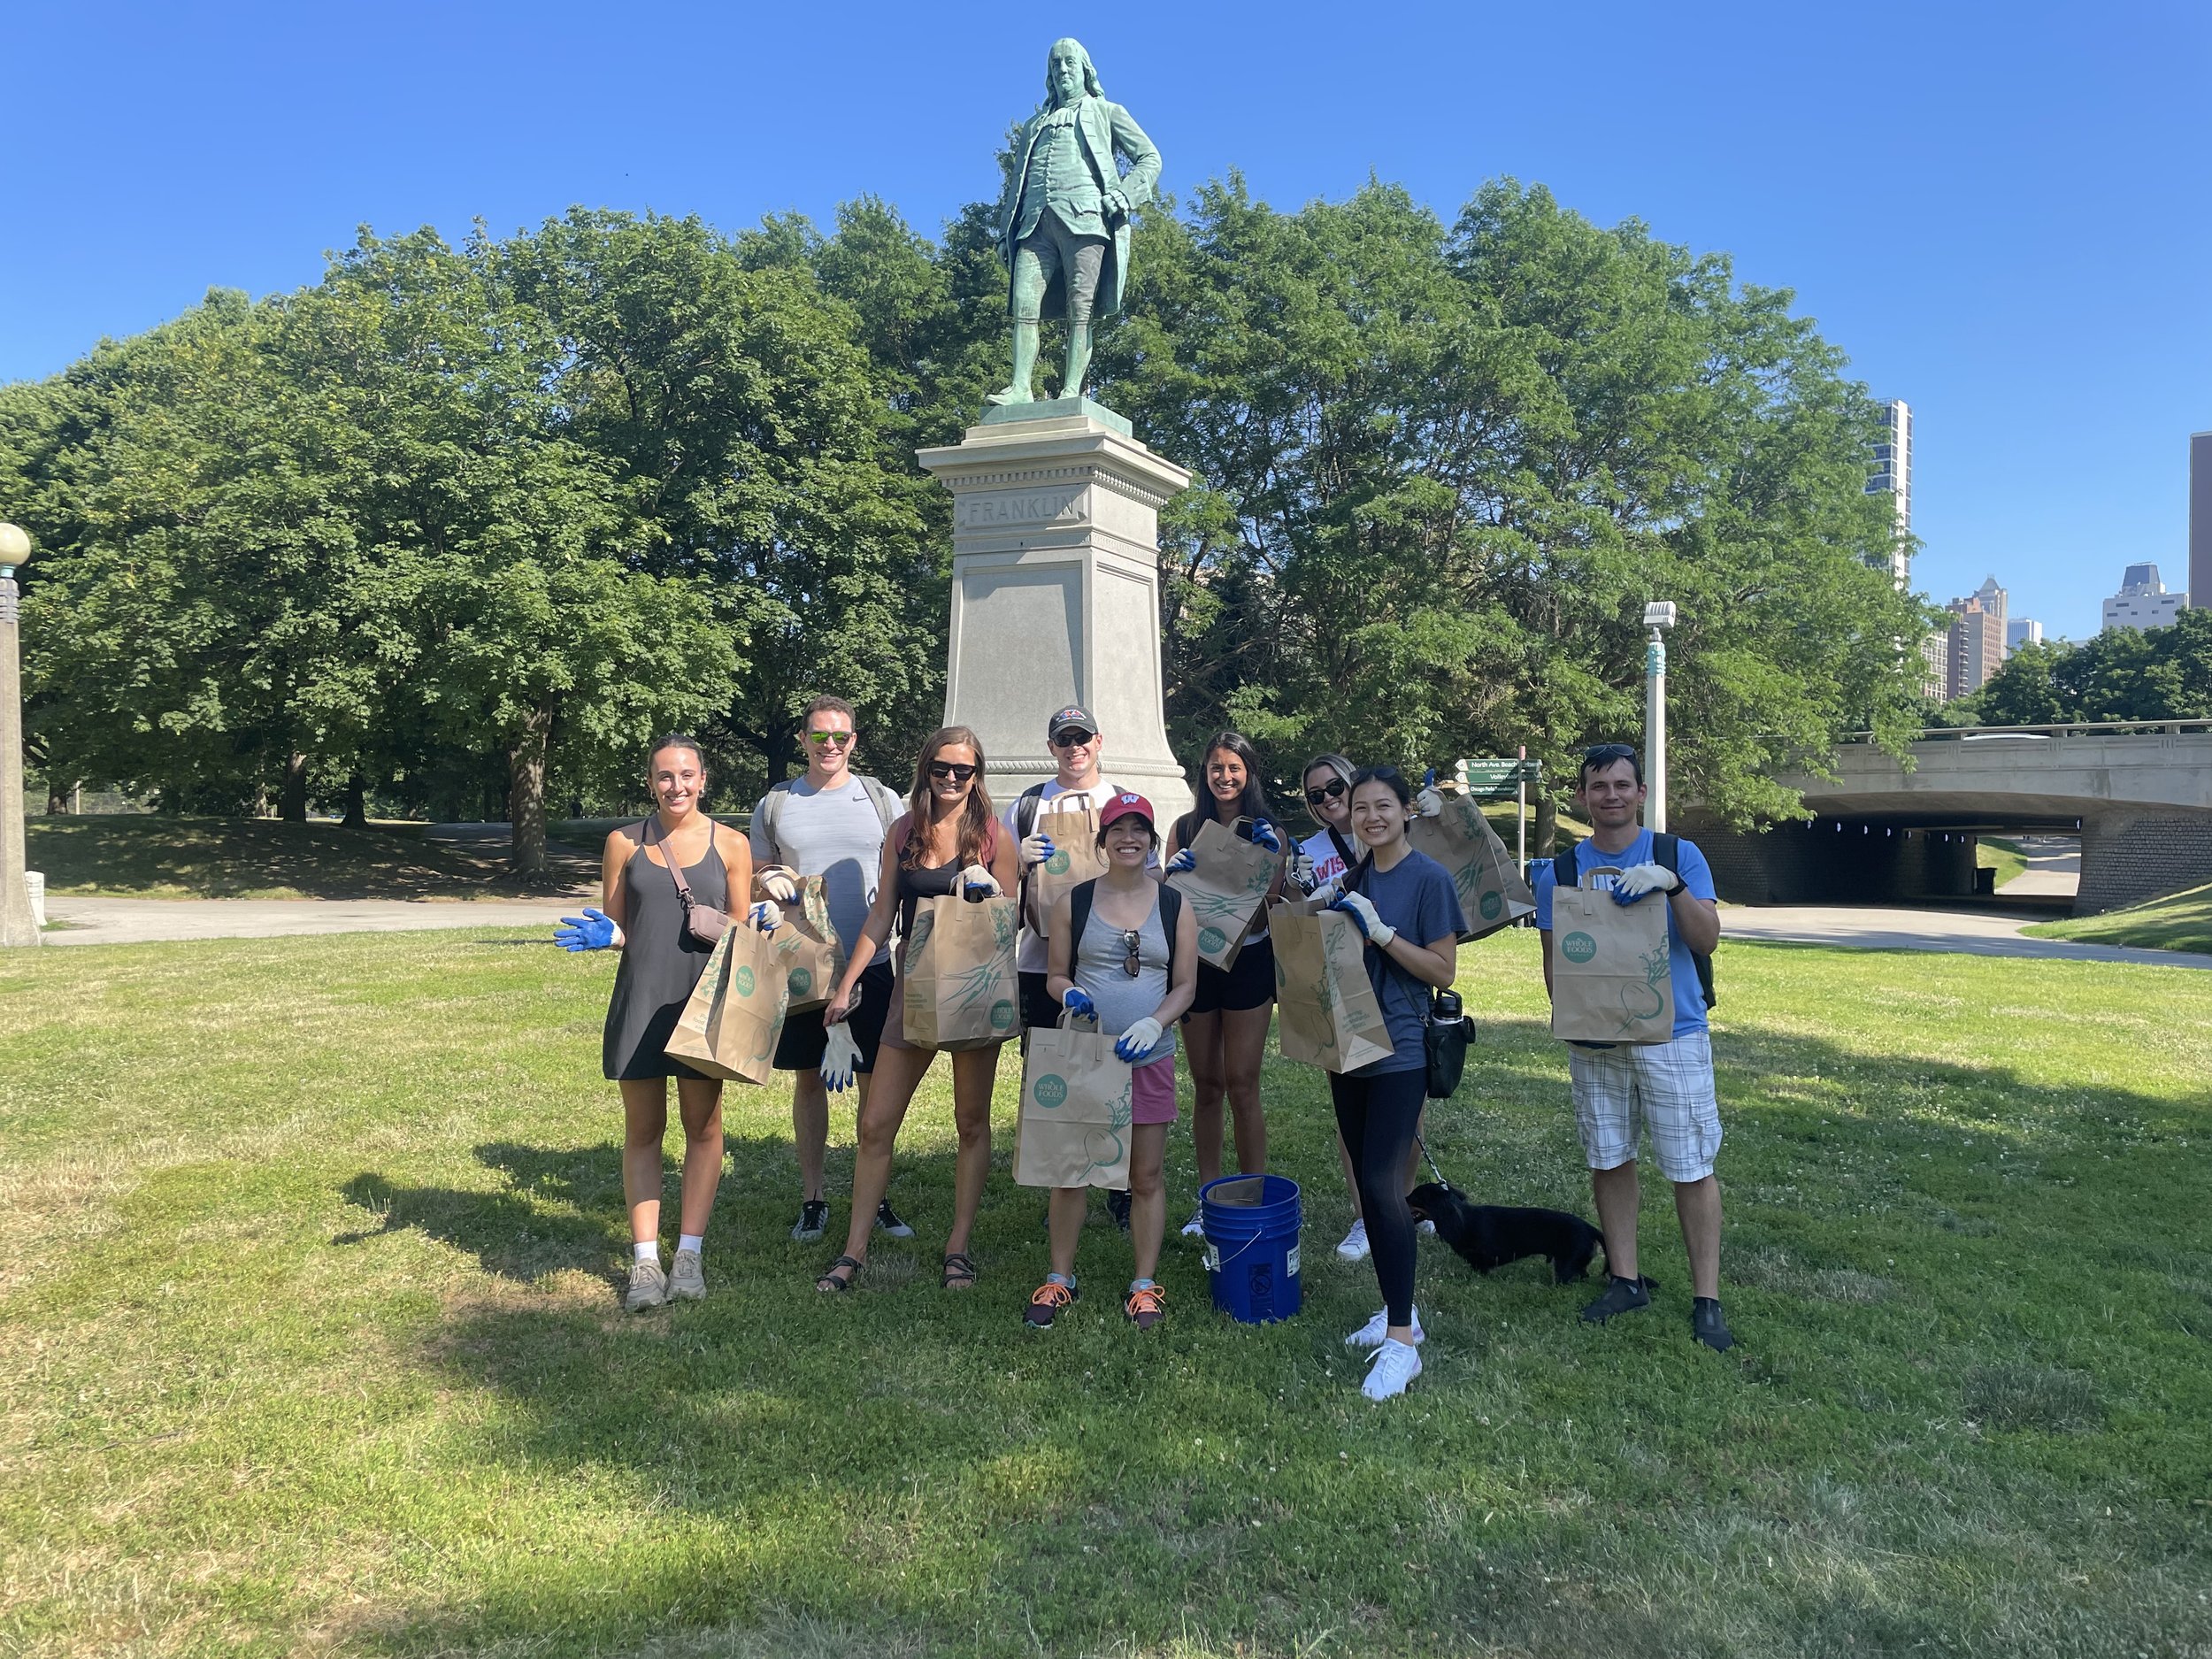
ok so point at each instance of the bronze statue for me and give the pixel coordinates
(1064, 224)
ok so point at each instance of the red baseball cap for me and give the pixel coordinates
(1122, 805)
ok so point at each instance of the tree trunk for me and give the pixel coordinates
(1544, 841)
(292, 800)
(526, 794)
(56, 801)
(356, 802)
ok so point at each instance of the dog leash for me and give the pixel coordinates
(1440, 1182)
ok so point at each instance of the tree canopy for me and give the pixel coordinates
(461, 523)
(2125, 675)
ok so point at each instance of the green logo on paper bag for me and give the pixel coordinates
(1057, 864)
(1211, 940)
(1051, 1090)
(1578, 947)
(1001, 1016)
(802, 980)
(743, 981)
(1492, 903)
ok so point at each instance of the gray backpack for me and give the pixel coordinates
(887, 806)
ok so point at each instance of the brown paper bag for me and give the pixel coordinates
(1491, 893)
(729, 1027)
(1076, 858)
(1073, 1130)
(1325, 1011)
(814, 957)
(1228, 889)
(1611, 977)
(961, 989)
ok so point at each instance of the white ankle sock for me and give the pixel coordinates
(693, 1241)
(648, 1251)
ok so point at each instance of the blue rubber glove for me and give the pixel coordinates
(1078, 1002)
(594, 930)
(1264, 835)
(1134, 1044)
(1640, 880)
(765, 916)
(1428, 804)
(1182, 861)
(1363, 912)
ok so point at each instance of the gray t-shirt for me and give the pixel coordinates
(1101, 967)
(836, 834)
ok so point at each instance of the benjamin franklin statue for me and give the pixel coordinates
(1063, 225)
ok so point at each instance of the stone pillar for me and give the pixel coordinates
(1056, 591)
(19, 923)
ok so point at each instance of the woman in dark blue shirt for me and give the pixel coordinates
(1409, 912)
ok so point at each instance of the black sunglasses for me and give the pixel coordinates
(1328, 791)
(1133, 963)
(1069, 739)
(951, 769)
(1606, 754)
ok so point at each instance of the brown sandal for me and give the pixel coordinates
(829, 1281)
(959, 1271)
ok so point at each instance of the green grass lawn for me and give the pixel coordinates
(309, 1343)
(2002, 855)
(156, 856)
(2181, 921)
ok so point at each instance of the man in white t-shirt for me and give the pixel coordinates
(1076, 744)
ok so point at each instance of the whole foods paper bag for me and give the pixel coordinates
(1610, 978)
(1226, 889)
(813, 958)
(1491, 893)
(1325, 1011)
(729, 1027)
(1075, 1112)
(1076, 858)
(961, 990)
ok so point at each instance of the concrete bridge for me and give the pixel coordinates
(2140, 796)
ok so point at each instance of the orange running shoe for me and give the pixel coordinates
(1046, 1302)
(1147, 1306)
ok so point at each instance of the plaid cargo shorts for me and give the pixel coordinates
(1667, 1087)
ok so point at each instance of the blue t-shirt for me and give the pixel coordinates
(1697, 875)
(1417, 898)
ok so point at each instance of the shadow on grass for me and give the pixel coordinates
(1926, 1442)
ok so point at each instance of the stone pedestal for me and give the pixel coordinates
(1056, 592)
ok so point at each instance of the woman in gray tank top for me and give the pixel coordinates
(1131, 965)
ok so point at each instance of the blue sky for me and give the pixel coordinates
(1999, 213)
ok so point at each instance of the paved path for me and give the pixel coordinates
(1977, 933)
(2053, 868)
(93, 921)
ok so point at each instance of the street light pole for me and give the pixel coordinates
(17, 925)
(1658, 617)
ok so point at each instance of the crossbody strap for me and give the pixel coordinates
(648, 838)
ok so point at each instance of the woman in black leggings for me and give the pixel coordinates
(1409, 912)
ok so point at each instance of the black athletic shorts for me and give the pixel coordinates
(805, 1039)
(1247, 982)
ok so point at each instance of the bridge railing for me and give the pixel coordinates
(2065, 728)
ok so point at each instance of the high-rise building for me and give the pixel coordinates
(2200, 517)
(1977, 639)
(2021, 631)
(1893, 473)
(2142, 600)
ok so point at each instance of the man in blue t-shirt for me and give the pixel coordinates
(1621, 1087)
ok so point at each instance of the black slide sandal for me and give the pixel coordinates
(829, 1281)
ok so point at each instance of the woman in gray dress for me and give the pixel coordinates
(641, 915)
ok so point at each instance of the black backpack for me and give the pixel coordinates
(1666, 852)
(1079, 914)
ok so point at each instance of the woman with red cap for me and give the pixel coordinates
(1124, 952)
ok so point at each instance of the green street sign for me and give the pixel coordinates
(1491, 780)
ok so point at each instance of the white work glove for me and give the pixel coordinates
(1358, 906)
(978, 883)
(1302, 872)
(778, 883)
(1637, 879)
(1134, 1044)
(765, 916)
(1184, 860)
(841, 1060)
(1429, 803)
(1327, 892)
(1037, 848)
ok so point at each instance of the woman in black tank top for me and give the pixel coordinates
(641, 914)
(948, 840)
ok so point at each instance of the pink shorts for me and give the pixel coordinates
(1152, 1092)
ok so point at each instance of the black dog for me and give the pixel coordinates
(1491, 1235)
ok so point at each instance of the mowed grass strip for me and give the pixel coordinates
(2181, 921)
(309, 1343)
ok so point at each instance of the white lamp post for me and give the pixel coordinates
(1658, 617)
(17, 925)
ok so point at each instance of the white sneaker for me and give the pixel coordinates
(1376, 1330)
(1394, 1365)
(686, 1279)
(1355, 1246)
(1196, 1228)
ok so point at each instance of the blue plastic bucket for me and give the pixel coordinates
(1251, 1224)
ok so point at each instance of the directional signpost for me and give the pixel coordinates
(1495, 780)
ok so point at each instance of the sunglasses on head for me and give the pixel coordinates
(825, 740)
(952, 769)
(1328, 791)
(1074, 739)
(1606, 754)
